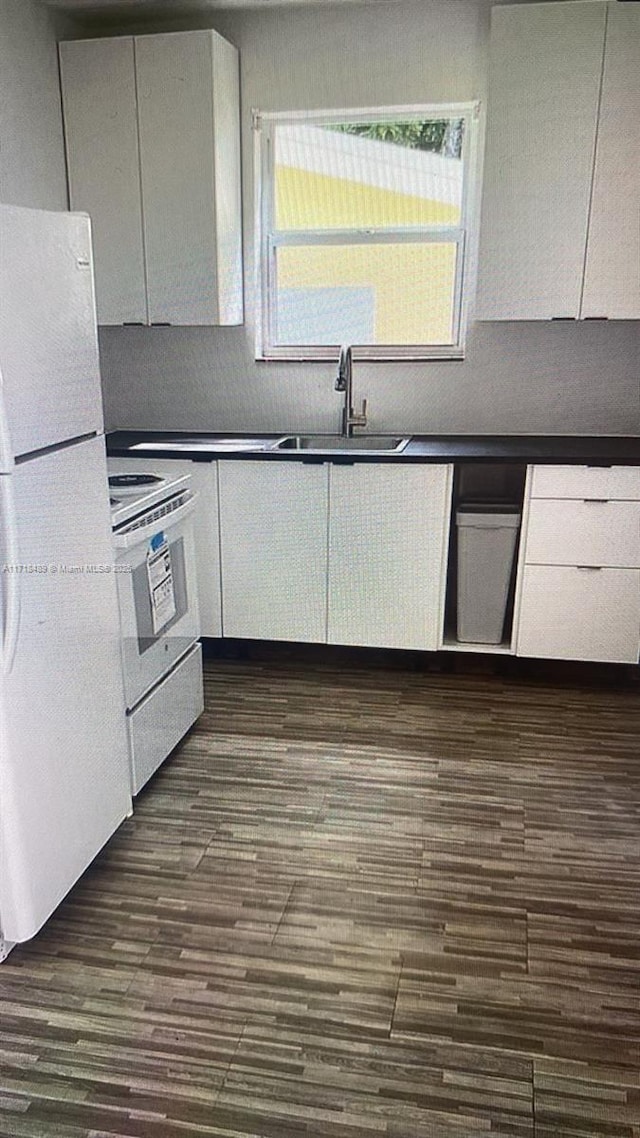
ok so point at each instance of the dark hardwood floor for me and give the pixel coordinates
(356, 903)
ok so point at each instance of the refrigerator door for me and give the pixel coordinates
(63, 744)
(48, 340)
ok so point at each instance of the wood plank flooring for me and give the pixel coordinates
(356, 903)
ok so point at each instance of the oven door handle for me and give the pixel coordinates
(124, 540)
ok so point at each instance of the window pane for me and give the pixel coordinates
(340, 178)
(365, 294)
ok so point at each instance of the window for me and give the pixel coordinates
(363, 231)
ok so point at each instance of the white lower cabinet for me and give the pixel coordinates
(349, 554)
(273, 527)
(356, 554)
(573, 613)
(578, 594)
(204, 482)
(387, 542)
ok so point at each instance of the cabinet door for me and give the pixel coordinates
(579, 614)
(206, 523)
(273, 532)
(545, 72)
(99, 102)
(612, 273)
(387, 554)
(189, 146)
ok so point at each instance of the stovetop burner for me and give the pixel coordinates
(132, 492)
(133, 481)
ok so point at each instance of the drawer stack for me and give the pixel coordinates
(579, 596)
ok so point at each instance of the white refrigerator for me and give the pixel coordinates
(64, 781)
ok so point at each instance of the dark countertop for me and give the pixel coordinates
(605, 450)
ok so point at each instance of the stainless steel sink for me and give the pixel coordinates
(314, 444)
(339, 444)
(206, 446)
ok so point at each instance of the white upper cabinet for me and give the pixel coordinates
(612, 274)
(98, 83)
(563, 103)
(190, 165)
(153, 149)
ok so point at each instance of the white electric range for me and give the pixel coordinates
(152, 521)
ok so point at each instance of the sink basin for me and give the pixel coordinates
(206, 446)
(336, 444)
(318, 444)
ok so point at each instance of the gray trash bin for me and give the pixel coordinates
(487, 535)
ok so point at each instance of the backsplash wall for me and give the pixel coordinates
(516, 378)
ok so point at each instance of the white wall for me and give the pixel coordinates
(516, 378)
(32, 169)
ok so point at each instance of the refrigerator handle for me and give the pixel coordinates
(11, 573)
(7, 460)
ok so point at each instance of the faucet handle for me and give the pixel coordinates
(359, 419)
(341, 378)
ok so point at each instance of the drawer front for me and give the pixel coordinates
(579, 614)
(590, 532)
(622, 482)
(161, 719)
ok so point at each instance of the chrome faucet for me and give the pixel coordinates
(344, 382)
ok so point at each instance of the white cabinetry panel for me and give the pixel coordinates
(153, 147)
(545, 74)
(619, 482)
(101, 132)
(579, 614)
(591, 532)
(206, 526)
(273, 525)
(164, 716)
(387, 528)
(228, 178)
(612, 274)
(578, 593)
(179, 93)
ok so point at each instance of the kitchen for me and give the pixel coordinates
(519, 378)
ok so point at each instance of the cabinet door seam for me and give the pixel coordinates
(142, 219)
(593, 163)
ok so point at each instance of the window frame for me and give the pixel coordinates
(268, 239)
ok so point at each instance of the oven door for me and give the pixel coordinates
(157, 592)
